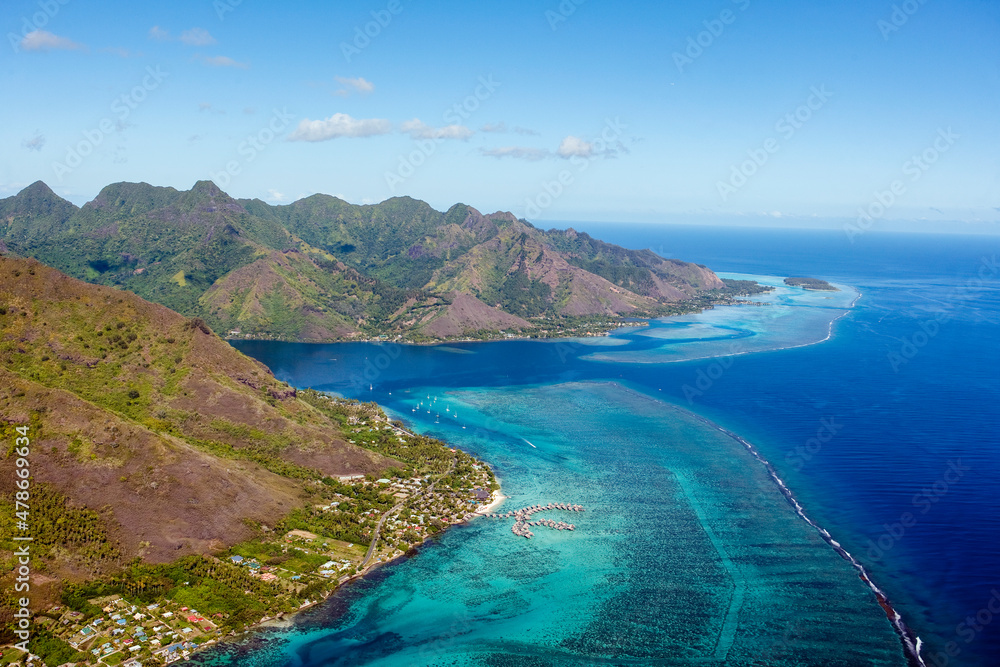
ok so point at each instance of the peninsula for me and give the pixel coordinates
(178, 491)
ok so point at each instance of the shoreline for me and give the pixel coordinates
(498, 499)
(287, 619)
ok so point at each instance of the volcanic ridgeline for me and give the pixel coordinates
(321, 269)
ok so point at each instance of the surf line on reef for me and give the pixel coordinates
(911, 642)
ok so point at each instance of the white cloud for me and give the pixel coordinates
(159, 34)
(569, 147)
(35, 143)
(358, 85)
(575, 147)
(197, 37)
(339, 125)
(417, 129)
(517, 152)
(221, 61)
(40, 40)
(501, 128)
(274, 195)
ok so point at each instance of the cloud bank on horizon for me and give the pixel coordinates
(737, 108)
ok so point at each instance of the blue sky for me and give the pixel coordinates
(789, 112)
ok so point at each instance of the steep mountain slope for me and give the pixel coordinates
(164, 245)
(517, 271)
(34, 214)
(323, 269)
(311, 296)
(640, 271)
(183, 441)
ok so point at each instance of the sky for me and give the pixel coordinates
(873, 113)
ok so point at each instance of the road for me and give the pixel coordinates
(378, 526)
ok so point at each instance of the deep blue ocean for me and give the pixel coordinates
(885, 432)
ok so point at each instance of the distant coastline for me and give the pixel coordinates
(811, 284)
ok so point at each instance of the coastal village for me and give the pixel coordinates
(157, 615)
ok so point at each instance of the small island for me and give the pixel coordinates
(814, 284)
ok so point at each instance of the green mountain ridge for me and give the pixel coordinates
(322, 269)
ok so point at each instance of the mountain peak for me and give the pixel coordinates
(38, 188)
(34, 212)
(208, 188)
(132, 196)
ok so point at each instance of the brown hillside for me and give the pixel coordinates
(150, 417)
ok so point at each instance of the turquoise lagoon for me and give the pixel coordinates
(790, 317)
(690, 552)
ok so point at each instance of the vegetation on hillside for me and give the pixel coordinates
(322, 269)
(157, 450)
(811, 284)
